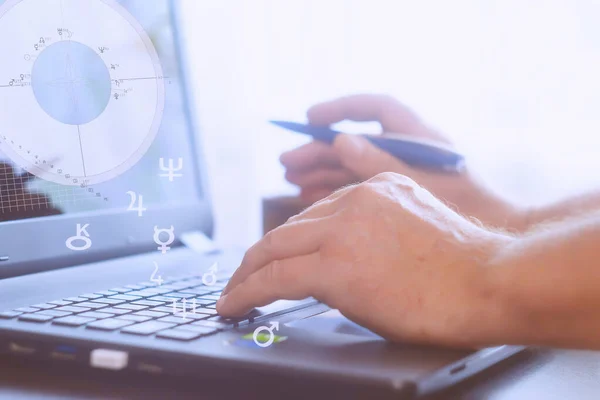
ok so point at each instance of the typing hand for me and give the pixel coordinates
(319, 169)
(386, 253)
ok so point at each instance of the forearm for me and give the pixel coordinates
(496, 211)
(575, 206)
(544, 288)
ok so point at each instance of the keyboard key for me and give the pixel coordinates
(44, 306)
(113, 310)
(55, 313)
(9, 314)
(91, 305)
(134, 307)
(161, 298)
(193, 316)
(121, 289)
(164, 309)
(147, 292)
(153, 314)
(107, 300)
(75, 299)
(175, 334)
(109, 324)
(197, 291)
(175, 320)
(73, 320)
(106, 293)
(210, 297)
(212, 306)
(178, 295)
(95, 315)
(73, 309)
(61, 302)
(90, 296)
(198, 315)
(206, 311)
(135, 318)
(204, 302)
(150, 303)
(158, 290)
(204, 330)
(174, 286)
(125, 297)
(147, 328)
(229, 321)
(135, 287)
(27, 309)
(210, 324)
(35, 317)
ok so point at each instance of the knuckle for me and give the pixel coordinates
(361, 191)
(386, 99)
(270, 273)
(384, 177)
(404, 181)
(293, 218)
(275, 276)
(269, 240)
(399, 181)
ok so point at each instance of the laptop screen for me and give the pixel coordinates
(92, 109)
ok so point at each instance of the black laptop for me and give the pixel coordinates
(105, 220)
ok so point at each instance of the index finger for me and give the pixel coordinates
(389, 112)
(289, 240)
(310, 155)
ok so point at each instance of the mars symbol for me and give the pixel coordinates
(80, 83)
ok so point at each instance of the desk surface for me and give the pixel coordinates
(539, 373)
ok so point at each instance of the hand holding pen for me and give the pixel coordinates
(319, 169)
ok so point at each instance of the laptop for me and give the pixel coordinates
(105, 221)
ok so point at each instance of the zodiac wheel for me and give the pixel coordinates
(81, 89)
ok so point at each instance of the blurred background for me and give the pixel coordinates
(515, 84)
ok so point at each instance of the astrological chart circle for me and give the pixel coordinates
(81, 89)
(71, 83)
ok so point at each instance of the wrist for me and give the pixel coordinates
(489, 316)
(495, 210)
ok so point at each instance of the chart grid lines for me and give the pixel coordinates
(16, 196)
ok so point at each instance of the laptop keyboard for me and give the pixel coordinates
(180, 309)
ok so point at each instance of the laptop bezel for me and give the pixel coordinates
(38, 244)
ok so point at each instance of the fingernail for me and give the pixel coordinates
(350, 144)
(221, 301)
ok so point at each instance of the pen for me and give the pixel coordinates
(417, 152)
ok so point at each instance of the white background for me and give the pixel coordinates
(516, 84)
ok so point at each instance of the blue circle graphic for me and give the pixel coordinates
(71, 82)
